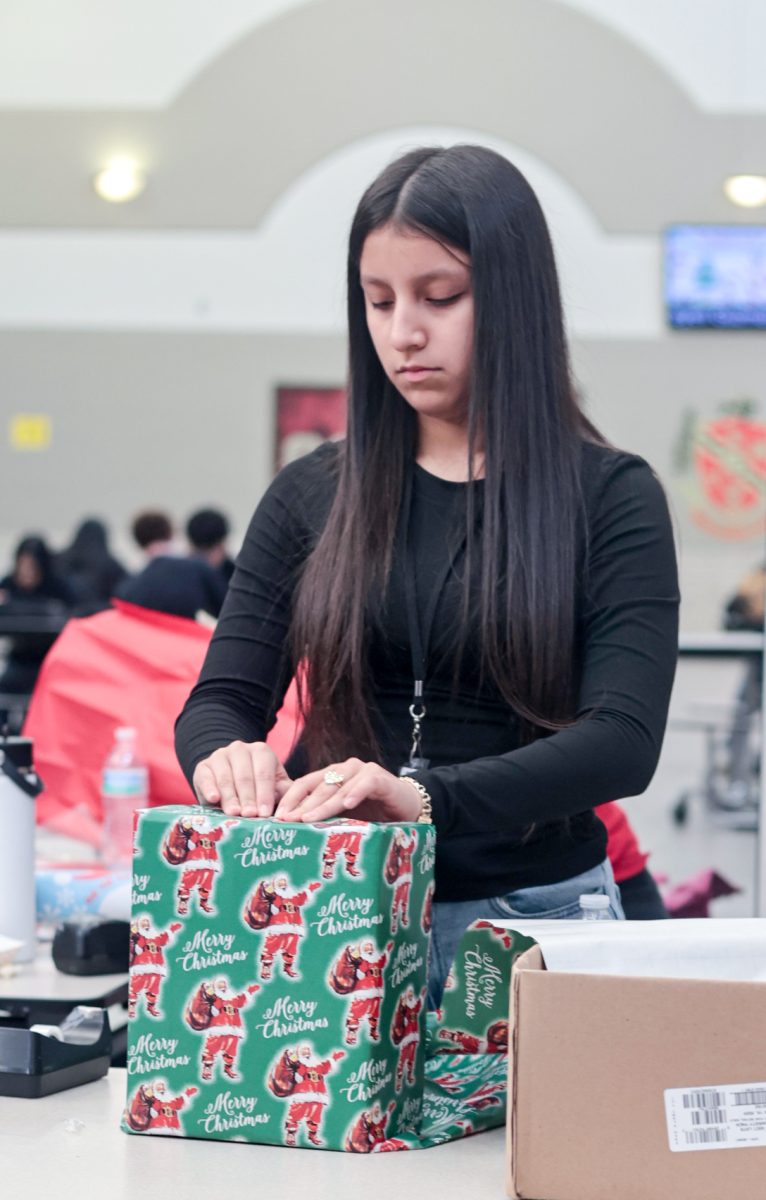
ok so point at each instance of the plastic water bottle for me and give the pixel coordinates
(124, 788)
(595, 908)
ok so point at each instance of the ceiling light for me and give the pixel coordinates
(749, 191)
(120, 180)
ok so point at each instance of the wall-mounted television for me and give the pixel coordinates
(715, 276)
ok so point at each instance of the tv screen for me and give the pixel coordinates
(715, 276)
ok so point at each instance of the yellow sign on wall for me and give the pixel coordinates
(30, 431)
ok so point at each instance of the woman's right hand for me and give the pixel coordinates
(245, 778)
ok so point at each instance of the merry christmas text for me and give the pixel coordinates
(342, 914)
(140, 893)
(208, 949)
(287, 1016)
(482, 976)
(365, 1083)
(405, 962)
(267, 844)
(155, 1054)
(231, 1112)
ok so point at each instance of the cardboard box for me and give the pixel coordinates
(277, 978)
(593, 1062)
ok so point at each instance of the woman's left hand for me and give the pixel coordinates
(363, 790)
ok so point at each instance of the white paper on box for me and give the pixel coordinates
(691, 949)
(723, 1116)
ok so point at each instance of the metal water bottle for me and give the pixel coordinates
(19, 786)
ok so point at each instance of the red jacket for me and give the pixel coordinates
(286, 911)
(203, 853)
(147, 957)
(369, 976)
(310, 1082)
(225, 1015)
(624, 852)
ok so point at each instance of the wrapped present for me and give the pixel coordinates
(67, 891)
(473, 1018)
(466, 1076)
(277, 979)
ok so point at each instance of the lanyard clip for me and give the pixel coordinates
(417, 712)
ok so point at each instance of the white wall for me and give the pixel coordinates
(289, 274)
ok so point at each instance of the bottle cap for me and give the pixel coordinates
(19, 751)
(125, 733)
(594, 902)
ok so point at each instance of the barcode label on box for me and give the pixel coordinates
(724, 1116)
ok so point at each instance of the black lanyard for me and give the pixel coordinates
(420, 636)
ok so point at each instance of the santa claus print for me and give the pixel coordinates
(276, 909)
(345, 843)
(426, 916)
(359, 972)
(369, 1129)
(398, 875)
(302, 1079)
(464, 1043)
(192, 845)
(146, 963)
(152, 1110)
(502, 935)
(217, 1012)
(405, 1033)
(497, 1038)
(495, 1041)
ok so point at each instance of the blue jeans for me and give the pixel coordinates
(552, 902)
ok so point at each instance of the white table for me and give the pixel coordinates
(39, 1158)
(720, 643)
(39, 983)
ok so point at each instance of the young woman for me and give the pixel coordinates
(483, 593)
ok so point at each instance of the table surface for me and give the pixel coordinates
(41, 981)
(102, 1160)
(721, 642)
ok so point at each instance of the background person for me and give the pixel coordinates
(153, 533)
(474, 532)
(207, 531)
(171, 583)
(89, 568)
(31, 589)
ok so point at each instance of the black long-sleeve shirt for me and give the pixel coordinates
(487, 790)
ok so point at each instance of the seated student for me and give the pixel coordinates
(170, 583)
(152, 532)
(33, 589)
(89, 568)
(207, 531)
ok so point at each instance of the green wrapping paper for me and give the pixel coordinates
(277, 979)
(467, 1041)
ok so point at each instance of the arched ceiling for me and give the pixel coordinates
(599, 110)
(288, 275)
(83, 54)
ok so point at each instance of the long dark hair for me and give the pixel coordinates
(523, 413)
(88, 547)
(37, 548)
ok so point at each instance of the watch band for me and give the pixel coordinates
(426, 814)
